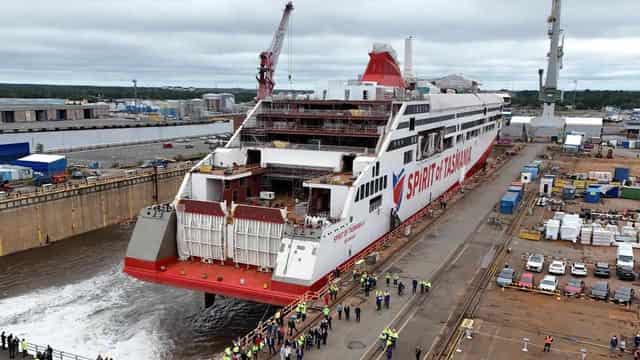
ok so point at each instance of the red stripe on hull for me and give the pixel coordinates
(189, 274)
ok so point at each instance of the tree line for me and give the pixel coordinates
(583, 100)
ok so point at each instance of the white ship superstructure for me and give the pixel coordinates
(310, 181)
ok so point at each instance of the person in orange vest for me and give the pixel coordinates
(547, 343)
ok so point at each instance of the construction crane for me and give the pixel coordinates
(269, 57)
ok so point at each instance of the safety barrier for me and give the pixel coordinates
(56, 354)
(58, 191)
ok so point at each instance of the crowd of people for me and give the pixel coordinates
(620, 344)
(19, 348)
(290, 343)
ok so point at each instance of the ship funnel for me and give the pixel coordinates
(408, 58)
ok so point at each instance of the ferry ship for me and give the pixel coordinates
(310, 182)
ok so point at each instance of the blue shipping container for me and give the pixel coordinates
(46, 164)
(531, 169)
(508, 203)
(517, 190)
(621, 174)
(12, 152)
(592, 195)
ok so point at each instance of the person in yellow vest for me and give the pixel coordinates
(383, 339)
(227, 351)
(303, 311)
(236, 349)
(326, 312)
(387, 277)
(428, 285)
(396, 277)
(255, 349)
(249, 354)
(393, 335)
(23, 344)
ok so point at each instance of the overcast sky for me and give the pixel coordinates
(215, 43)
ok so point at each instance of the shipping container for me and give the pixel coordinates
(531, 169)
(12, 152)
(508, 203)
(517, 190)
(592, 195)
(15, 173)
(621, 174)
(568, 192)
(46, 164)
(631, 192)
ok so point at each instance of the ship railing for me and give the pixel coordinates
(56, 354)
(320, 147)
(350, 113)
(51, 189)
(331, 127)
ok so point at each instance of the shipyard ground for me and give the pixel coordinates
(450, 253)
(505, 317)
(135, 155)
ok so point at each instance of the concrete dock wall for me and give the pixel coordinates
(28, 222)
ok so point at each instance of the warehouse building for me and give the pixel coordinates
(590, 127)
(31, 112)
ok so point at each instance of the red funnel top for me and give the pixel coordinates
(383, 69)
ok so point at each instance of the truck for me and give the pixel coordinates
(624, 262)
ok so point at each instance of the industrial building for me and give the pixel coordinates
(590, 127)
(38, 111)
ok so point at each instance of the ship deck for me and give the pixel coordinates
(226, 280)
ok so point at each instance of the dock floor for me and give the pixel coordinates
(459, 241)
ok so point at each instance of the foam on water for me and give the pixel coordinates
(100, 314)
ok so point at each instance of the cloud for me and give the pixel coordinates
(207, 43)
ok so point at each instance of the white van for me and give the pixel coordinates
(624, 259)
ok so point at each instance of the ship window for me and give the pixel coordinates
(362, 196)
(448, 143)
(459, 138)
(376, 185)
(227, 185)
(412, 124)
(357, 195)
(366, 191)
(385, 181)
(375, 203)
(408, 156)
(365, 95)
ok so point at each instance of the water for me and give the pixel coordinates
(70, 139)
(74, 296)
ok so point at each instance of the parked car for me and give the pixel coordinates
(167, 146)
(602, 270)
(505, 277)
(623, 295)
(625, 273)
(574, 287)
(182, 141)
(578, 269)
(600, 290)
(526, 280)
(535, 263)
(557, 267)
(188, 146)
(549, 283)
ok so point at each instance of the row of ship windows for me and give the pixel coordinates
(372, 187)
(412, 123)
(447, 142)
